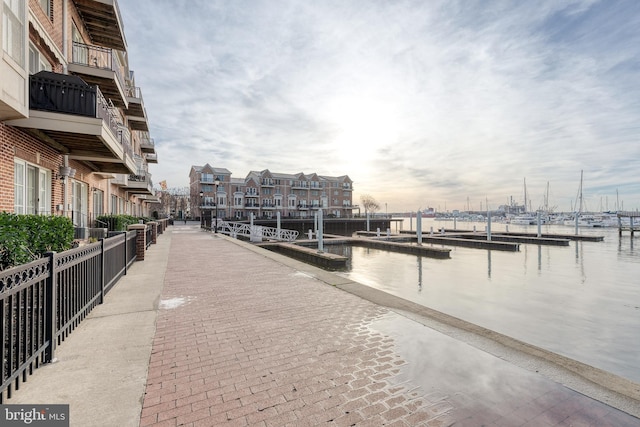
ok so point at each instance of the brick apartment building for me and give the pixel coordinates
(74, 135)
(264, 193)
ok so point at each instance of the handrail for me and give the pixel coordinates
(97, 57)
(244, 229)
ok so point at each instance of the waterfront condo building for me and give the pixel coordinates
(74, 135)
(214, 192)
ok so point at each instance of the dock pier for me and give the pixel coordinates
(631, 227)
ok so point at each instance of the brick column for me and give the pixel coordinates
(140, 239)
(154, 231)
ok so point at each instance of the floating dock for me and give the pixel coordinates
(309, 255)
(451, 240)
(544, 239)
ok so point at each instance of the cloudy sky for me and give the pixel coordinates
(422, 103)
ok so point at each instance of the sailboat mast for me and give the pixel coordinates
(579, 197)
(525, 196)
(546, 199)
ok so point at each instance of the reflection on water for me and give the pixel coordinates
(582, 301)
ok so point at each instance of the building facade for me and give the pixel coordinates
(74, 134)
(214, 192)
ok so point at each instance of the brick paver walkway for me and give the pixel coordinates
(254, 345)
(242, 340)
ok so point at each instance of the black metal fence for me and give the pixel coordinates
(42, 302)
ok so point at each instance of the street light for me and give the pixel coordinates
(201, 212)
(216, 182)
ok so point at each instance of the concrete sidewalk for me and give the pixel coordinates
(211, 331)
(101, 368)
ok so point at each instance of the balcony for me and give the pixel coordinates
(150, 158)
(303, 207)
(252, 205)
(120, 179)
(248, 194)
(135, 111)
(103, 22)
(140, 184)
(99, 66)
(147, 145)
(75, 119)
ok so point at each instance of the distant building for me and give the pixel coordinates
(264, 193)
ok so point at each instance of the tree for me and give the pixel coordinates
(369, 203)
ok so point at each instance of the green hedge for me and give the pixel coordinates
(24, 238)
(119, 222)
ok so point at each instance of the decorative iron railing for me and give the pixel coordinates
(42, 302)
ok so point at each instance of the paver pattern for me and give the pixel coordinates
(242, 340)
(241, 343)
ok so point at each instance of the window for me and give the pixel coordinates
(13, 30)
(80, 53)
(114, 204)
(46, 6)
(79, 197)
(98, 202)
(32, 189)
(36, 61)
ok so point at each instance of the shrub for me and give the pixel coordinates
(120, 222)
(24, 238)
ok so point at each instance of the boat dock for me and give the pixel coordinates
(634, 218)
(448, 240)
(306, 250)
(433, 244)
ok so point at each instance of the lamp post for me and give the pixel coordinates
(216, 182)
(201, 211)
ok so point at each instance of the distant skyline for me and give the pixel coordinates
(439, 104)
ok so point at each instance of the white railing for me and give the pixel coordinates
(244, 229)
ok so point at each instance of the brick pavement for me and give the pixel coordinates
(244, 340)
(257, 345)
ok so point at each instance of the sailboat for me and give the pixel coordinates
(584, 220)
(524, 218)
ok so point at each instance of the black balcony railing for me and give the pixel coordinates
(139, 178)
(62, 93)
(67, 94)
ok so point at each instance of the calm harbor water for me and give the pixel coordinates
(581, 301)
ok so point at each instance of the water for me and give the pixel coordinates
(581, 301)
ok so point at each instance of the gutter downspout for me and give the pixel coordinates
(65, 163)
(65, 38)
(65, 70)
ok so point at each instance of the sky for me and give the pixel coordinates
(427, 103)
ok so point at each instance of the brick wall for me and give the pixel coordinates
(15, 143)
